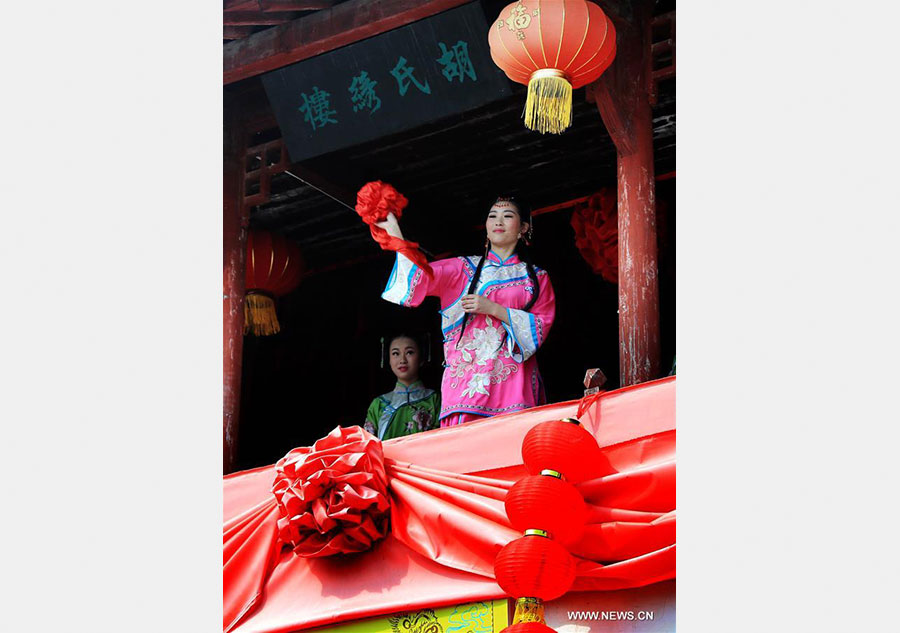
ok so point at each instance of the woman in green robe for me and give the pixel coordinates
(410, 407)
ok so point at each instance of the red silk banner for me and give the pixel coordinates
(448, 521)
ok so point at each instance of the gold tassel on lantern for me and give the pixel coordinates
(529, 610)
(548, 107)
(259, 315)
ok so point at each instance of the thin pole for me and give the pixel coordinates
(342, 203)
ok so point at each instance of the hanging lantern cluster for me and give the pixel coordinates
(274, 268)
(552, 47)
(552, 513)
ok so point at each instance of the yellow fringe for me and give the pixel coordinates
(529, 610)
(259, 315)
(548, 107)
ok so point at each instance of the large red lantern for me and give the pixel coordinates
(535, 566)
(552, 47)
(548, 503)
(564, 446)
(274, 268)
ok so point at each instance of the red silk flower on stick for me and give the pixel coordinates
(373, 204)
(332, 498)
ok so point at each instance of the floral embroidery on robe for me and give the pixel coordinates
(493, 369)
(403, 411)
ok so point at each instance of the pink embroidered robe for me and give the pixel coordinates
(493, 370)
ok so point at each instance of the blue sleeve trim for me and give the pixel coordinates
(392, 278)
(497, 282)
(452, 326)
(511, 330)
(409, 288)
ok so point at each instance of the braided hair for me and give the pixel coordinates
(522, 250)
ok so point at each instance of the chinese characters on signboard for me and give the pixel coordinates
(394, 81)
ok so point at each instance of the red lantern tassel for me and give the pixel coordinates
(259, 315)
(548, 106)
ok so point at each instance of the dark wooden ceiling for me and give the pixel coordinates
(242, 18)
(451, 171)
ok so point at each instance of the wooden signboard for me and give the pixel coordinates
(392, 82)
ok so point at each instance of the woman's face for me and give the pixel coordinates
(504, 225)
(404, 358)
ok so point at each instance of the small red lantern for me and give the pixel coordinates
(548, 503)
(528, 627)
(564, 446)
(552, 47)
(534, 565)
(274, 268)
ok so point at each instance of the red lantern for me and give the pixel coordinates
(534, 565)
(547, 503)
(528, 627)
(564, 446)
(552, 47)
(274, 268)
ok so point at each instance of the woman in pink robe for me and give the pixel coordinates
(496, 311)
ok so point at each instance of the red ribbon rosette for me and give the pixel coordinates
(333, 497)
(373, 204)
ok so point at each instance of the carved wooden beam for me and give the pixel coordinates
(295, 5)
(277, 5)
(236, 32)
(321, 32)
(254, 18)
(241, 5)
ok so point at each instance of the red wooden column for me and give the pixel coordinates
(234, 247)
(623, 99)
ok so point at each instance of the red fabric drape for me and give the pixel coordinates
(448, 522)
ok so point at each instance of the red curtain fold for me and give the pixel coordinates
(642, 570)
(448, 526)
(250, 548)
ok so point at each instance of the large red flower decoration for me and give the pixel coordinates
(376, 199)
(333, 497)
(373, 204)
(597, 233)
